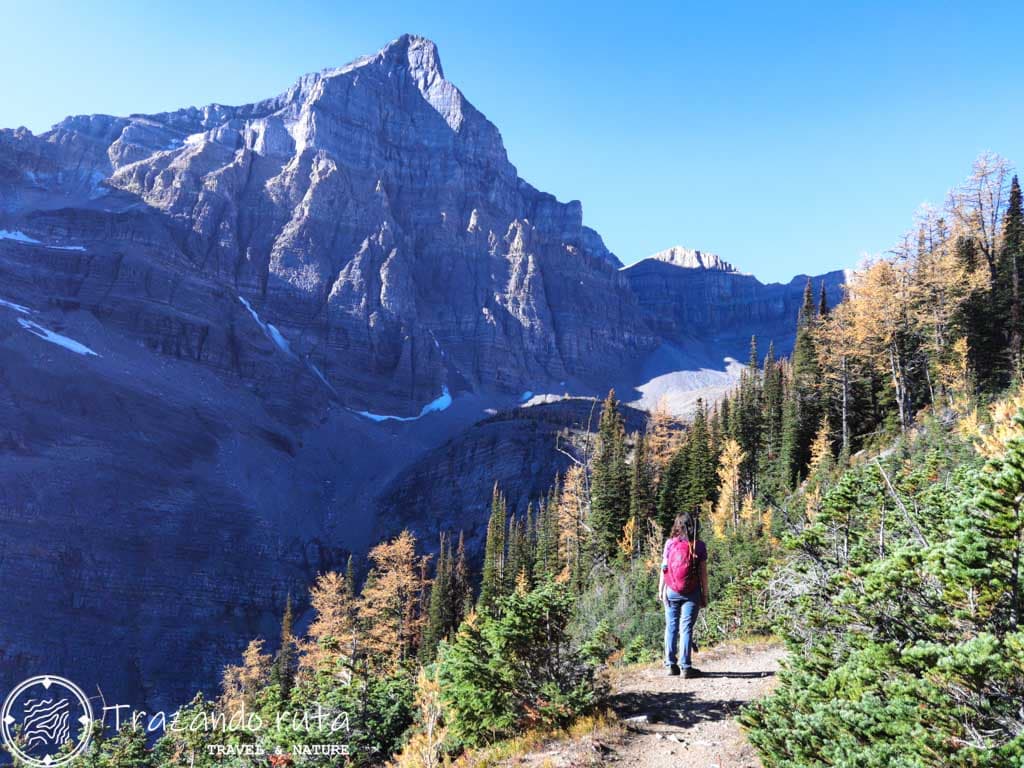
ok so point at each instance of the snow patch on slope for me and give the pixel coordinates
(16, 307)
(270, 330)
(440, 403)
(320, 375)
(55, 338)
(20, 237)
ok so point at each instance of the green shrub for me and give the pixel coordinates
(903, 599)
(506, 673)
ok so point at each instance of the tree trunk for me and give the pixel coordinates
(846, 407)
(1015, 331)
(898, 385)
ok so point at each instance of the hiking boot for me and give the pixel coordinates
(673, 671)
(691, 672)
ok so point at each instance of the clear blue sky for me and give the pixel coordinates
(787, 139)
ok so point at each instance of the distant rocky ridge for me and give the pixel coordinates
(689, 258)
(230, 337)
(718, 304)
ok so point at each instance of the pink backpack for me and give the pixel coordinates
(681, 574)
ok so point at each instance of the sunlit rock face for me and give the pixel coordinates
(372, 214)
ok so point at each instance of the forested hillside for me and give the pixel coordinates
(861, 498)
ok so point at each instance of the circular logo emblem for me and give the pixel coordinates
(46, 721)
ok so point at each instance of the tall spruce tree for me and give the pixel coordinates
(519, 566)
(979, 319)
(1007, 290)
(609, 483)
(772, 406)
(641, 486)
(492, 581)
(717, 434)
(747, 424)
(441, 612)
(350, 577)
(700, 481)
(547, 563)
(672, 480)
(462, 583)
(283, 671)
(802, 407)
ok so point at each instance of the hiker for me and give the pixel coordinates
(683, 588)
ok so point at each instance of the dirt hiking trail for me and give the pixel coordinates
(669, 722)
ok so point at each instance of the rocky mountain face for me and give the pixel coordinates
(690, 258)
(370, 210)
(238, 343)
(519, 449)
(691, 296)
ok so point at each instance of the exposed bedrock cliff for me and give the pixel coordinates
(695, 297)
(448, 489)
(372, 215)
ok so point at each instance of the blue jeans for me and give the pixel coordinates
(680, 614)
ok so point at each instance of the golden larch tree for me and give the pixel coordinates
(730, 497)
(390, 617)
(241, 684)
(333, 634)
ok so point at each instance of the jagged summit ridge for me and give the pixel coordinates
(372, 214)
(691, 258)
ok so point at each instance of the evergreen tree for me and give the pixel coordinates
(283, 672)
(716, 434)
(462, 584)
(125, 749)
(822, 301)
(441, 614)
(672, 480)
(609, 485)
(801, 409)
(905, 638)
(979, 321)
(350, 577)
(1007, 290)
(492, 582)
(641, 487)
(726, 411)
(516, 669)
(547, 563)
(986, 558)
(772, 406)
(700, 482)
(747, 426)
(519, 559)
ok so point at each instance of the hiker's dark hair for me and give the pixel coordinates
(686, 526)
